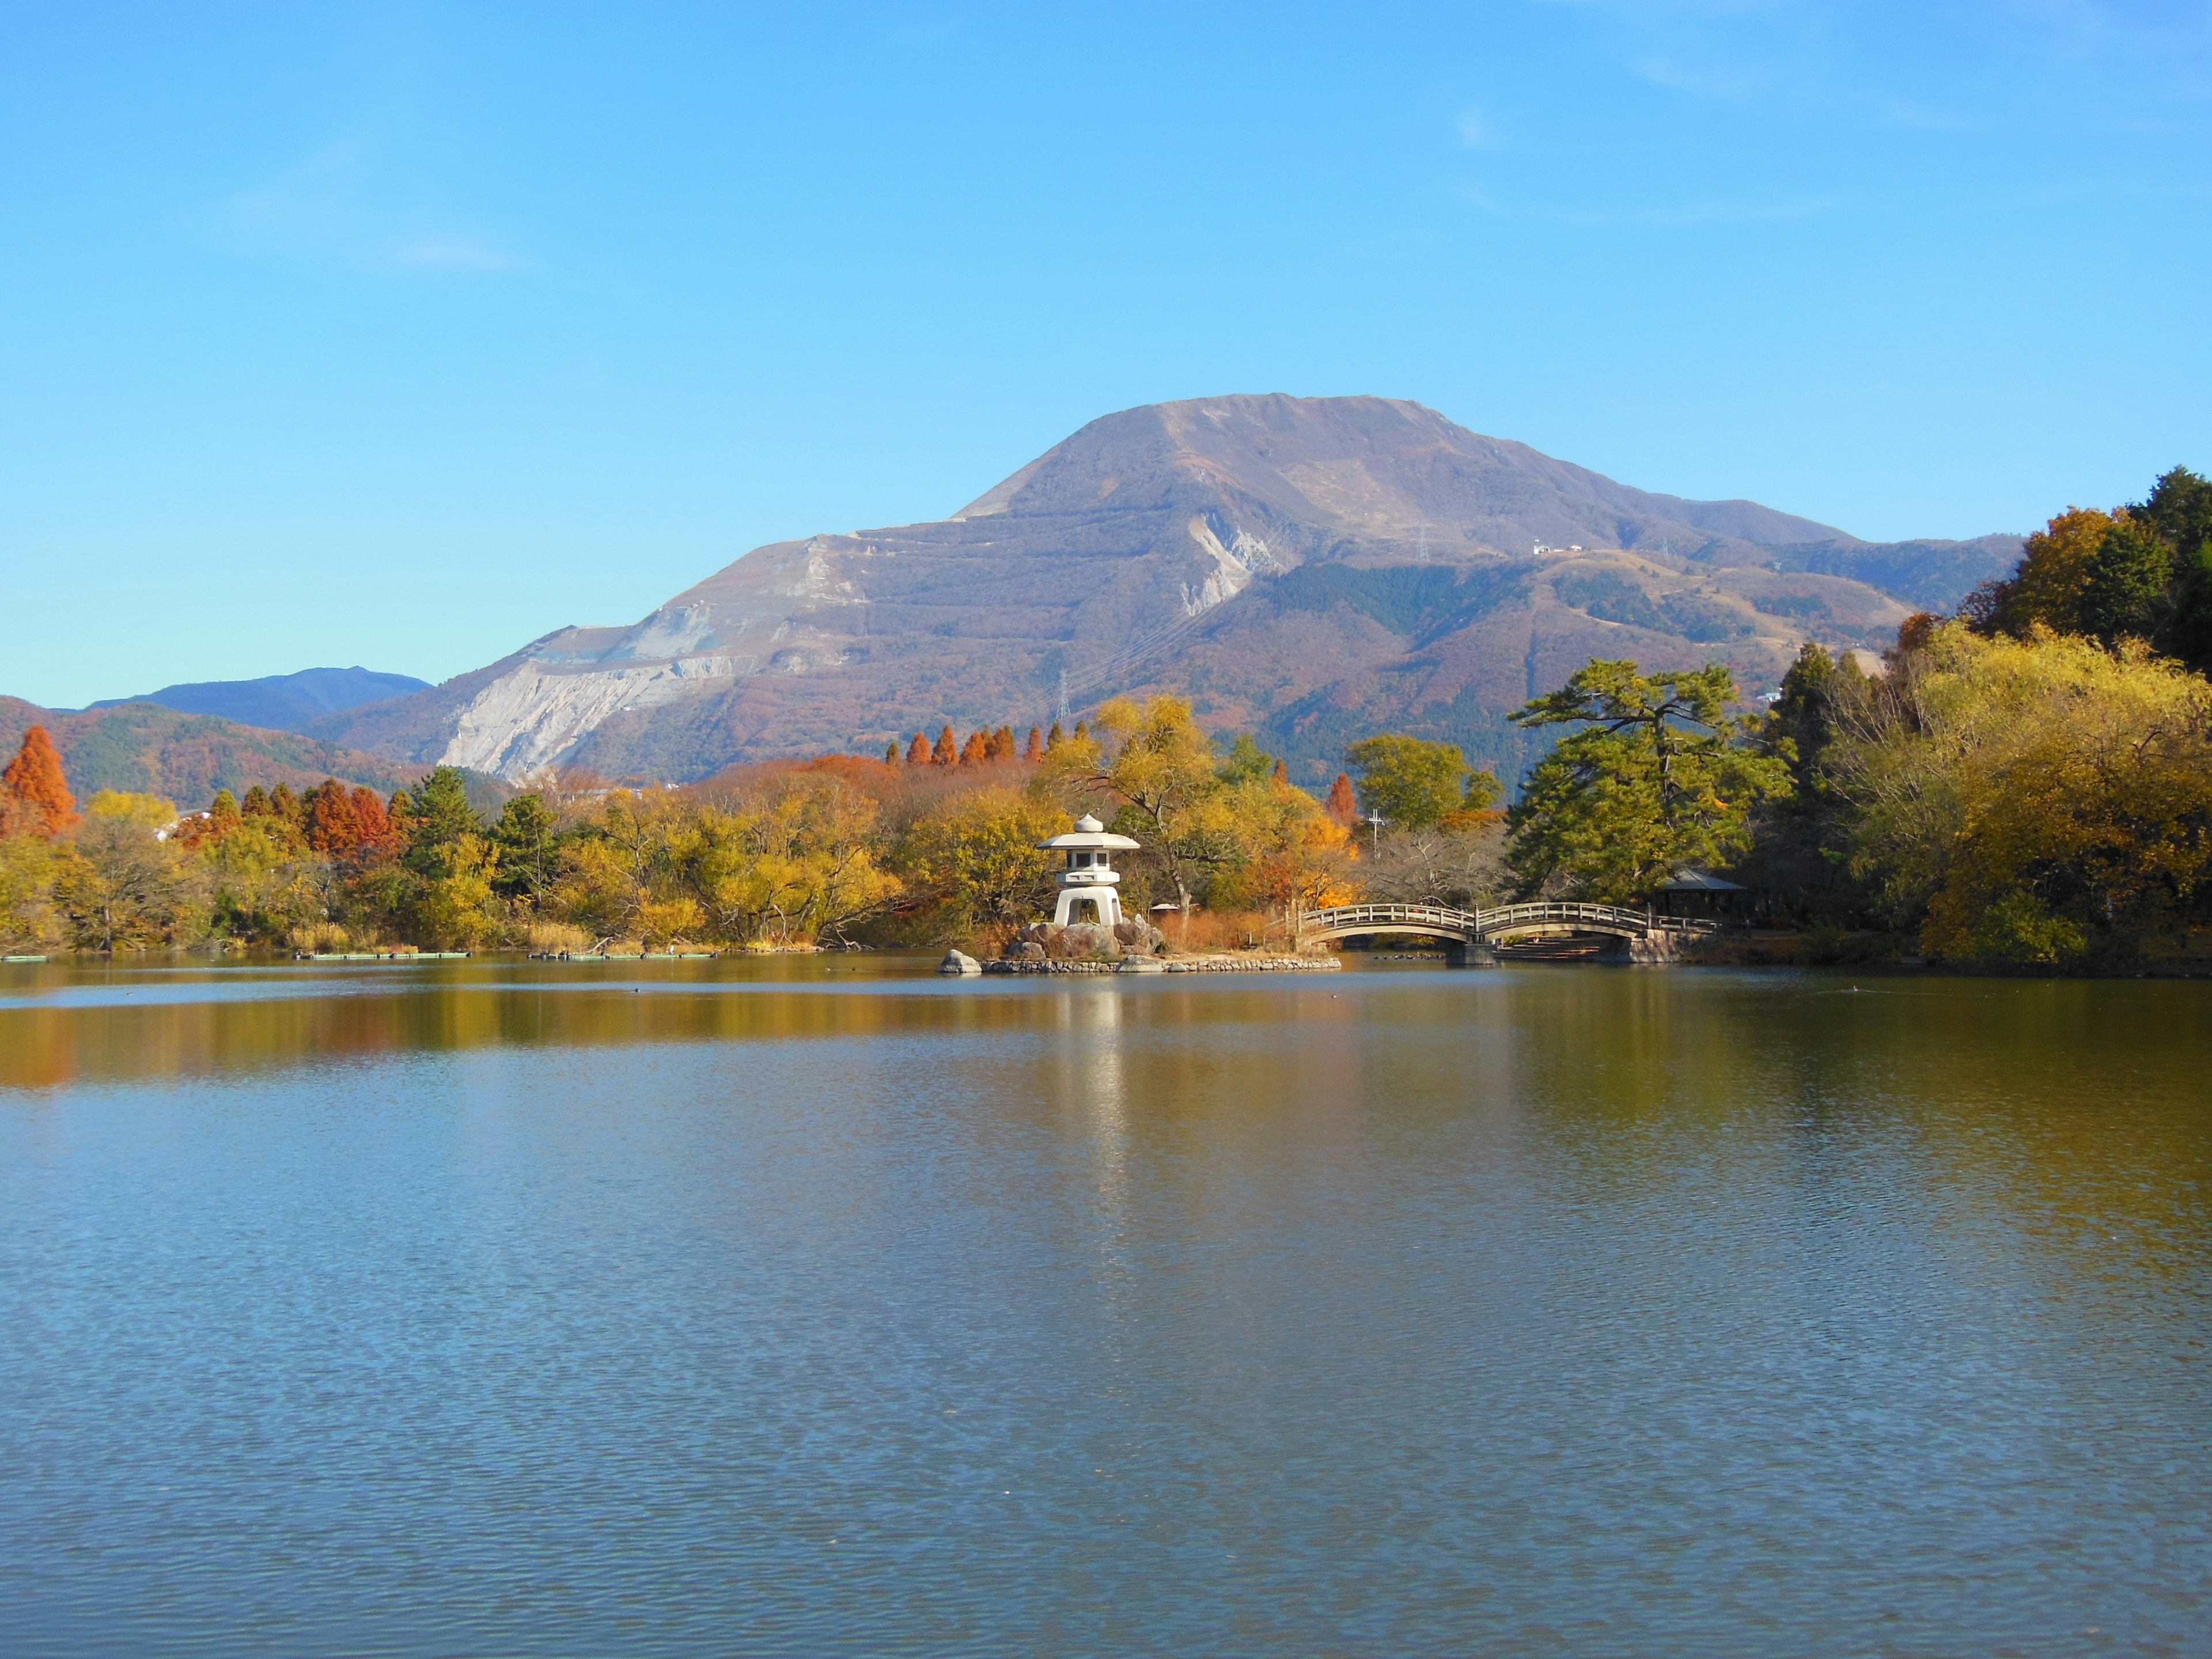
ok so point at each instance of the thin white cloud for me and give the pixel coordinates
(1726, 85)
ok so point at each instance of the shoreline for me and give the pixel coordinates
(1192, 965)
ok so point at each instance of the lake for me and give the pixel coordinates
(818, 1306)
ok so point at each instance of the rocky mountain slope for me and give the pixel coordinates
(144, 749)
(1309, 568)
(281, 702)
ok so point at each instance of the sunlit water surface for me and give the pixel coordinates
(816, 1309)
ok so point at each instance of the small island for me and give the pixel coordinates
(1088, 933)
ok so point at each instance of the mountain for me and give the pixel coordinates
(1303, 566)
(144, 749)
(281, 702)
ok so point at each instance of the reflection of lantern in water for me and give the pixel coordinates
(1090, 883)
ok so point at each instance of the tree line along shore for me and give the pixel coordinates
(2027, 782)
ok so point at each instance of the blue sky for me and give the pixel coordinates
(402, 334)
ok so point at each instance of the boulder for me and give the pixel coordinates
(1135, 933)
(959, 962)
(1082, 940)
(1023, 949)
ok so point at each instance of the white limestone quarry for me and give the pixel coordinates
(674, 630)
(1234, 567)
(533, 714)
(748, 619)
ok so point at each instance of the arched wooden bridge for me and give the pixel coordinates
(1642, 935)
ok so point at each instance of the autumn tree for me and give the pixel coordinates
(1221, 827)
(1463, 867)
(917, 753)
(2038, 801)
(1034, 751)
(1658, 776)
(797, 861)
(35, 791)
(1246, 762)
(373, 821)
(976, 862)
(29, 920)
(1342, 805)
(126, 888)
(451, 860)
(1156, 760)
(2139, 572)
(946, 753)
(332, 822)
(1414, 784)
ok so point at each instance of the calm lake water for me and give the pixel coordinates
(813, 1308)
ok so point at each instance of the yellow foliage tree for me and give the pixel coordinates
(122, 888)
(975, 861)
(456, 908)
(2042, 800)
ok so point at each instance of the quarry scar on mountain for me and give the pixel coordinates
(1298, 567)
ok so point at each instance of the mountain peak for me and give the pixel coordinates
(1371, 466)
(1291, 563)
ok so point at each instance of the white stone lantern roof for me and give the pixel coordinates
(1090, 835)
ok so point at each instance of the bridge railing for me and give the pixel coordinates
(1501, 919)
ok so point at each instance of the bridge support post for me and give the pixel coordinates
(1463, 954)
(1653, 949)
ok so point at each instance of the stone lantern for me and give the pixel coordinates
(1090, 880)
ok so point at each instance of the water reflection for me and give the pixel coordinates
(728, 1308)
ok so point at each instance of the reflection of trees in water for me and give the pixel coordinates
(45, 1046)
(2057, 1125)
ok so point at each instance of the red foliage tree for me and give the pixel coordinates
(917, 753)
(333, 824)
(37, 799)
(946, 753)
(976, 750)
(1343, 805)
(1035, 749)
(375, 823)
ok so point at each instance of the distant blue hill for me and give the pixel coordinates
(282, 702)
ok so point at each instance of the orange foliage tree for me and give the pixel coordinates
(35, 791)
(1342, 805)
(377, 830)
(333, 824)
